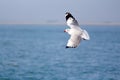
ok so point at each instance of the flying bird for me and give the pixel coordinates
(76, 33)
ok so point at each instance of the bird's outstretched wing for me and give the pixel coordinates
(74, 41)
(72, 23)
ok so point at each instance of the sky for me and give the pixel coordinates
(40, 11)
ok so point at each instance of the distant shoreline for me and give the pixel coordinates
(96, 24)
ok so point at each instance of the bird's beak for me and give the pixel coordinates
(64, 30)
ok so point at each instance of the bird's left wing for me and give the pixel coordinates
(74, 41)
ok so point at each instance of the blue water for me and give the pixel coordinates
(37, 52)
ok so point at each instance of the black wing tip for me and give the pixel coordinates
(67, 13)
(67, 47)
(70, 47)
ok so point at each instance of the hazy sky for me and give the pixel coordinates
(36, 11)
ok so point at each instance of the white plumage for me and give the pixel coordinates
(76, 33)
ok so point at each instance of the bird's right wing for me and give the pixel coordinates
(72, 23)
(74, 41)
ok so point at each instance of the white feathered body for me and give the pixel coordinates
(75, 38)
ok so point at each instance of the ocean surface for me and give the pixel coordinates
(37, 52)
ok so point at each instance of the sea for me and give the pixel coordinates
(37, 52)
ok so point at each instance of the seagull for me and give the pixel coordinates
(76, 33)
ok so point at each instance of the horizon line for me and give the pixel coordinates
(60, 23)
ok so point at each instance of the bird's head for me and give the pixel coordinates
(67, 30)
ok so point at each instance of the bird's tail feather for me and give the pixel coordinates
(85, 35)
